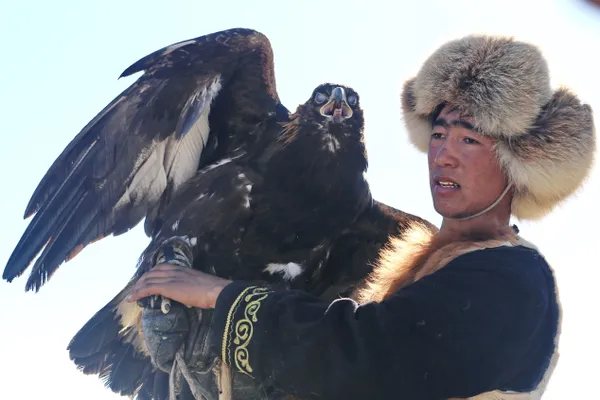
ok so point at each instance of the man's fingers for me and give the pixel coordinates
(166, 270)
(168, 267)
(143, 291)
(162, 273)
(180, 284)
(152, 285)
(158, 281)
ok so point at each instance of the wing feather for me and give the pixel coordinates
(196, 101)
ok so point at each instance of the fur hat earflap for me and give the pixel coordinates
(545, 138)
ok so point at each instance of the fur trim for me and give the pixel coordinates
(501, 83)
(554, 157)
(546, 140)
(420, 252)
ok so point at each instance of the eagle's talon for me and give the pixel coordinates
(165, 305)
(175, 251)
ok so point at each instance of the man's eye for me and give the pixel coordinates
(436, 135)
(471, 140)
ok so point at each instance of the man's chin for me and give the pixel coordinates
(450, 213)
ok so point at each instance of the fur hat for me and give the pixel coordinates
(545, 138)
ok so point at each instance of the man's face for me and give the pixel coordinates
(464, 174)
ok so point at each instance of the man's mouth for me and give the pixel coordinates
(337, 107)
(447, 184)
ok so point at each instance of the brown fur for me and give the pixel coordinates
(419, 253)
(545, 139)
(501, 82)
(550, 162)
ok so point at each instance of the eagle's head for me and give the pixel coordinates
(332, 115)
(322, 142)
(334, 106)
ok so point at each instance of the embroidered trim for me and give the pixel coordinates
(243, 328)
(225, 343)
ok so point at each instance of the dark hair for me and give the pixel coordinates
(436, 113)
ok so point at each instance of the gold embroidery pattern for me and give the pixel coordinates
(244, 328)
(232, 310)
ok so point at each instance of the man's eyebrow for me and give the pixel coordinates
(455, 122)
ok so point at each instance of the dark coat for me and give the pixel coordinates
(484, 317)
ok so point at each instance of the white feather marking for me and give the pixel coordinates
(193, 241)
(175, 225)
(149, 182)
(171, 160)
(248, 188)
(183, 156)
(217, 164)
(129, 314)
(331, 142)
(176, 46)
(289, 270)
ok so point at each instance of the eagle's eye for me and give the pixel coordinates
(352, 100)
(320, 98)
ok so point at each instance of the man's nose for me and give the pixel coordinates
(446, 155)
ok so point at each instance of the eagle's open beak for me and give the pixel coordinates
(337, 107)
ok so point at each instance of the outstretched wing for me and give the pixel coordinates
(197, 102)
(354, 253)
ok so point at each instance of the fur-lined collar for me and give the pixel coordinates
(421, 252)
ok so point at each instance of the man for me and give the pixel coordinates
(468, 312)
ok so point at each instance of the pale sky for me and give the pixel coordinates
(60, 63)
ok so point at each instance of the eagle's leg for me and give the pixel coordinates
(211, 381)
(175, 251)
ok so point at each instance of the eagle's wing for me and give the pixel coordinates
(111, 343)
(110, 346)
(196, 103)
(355, 252)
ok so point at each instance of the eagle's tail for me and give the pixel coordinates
(109, 345)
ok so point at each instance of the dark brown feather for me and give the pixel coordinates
(75, 200)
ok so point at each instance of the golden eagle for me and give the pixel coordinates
(202, 149)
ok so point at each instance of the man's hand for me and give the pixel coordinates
(185, 285)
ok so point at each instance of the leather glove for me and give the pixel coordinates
(177, 339)
(178, 343)
(164, 334)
